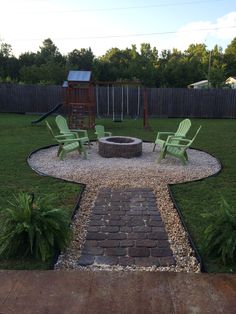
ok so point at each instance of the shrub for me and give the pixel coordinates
(32, 228)
(220, 234)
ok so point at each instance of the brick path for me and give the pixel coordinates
(126, 229)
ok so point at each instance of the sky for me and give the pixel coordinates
(105, 24)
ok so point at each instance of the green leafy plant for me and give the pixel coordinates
(32, 228)
(220, 234)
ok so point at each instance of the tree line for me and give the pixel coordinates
(148, 66)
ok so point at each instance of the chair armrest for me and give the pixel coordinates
(171, 137)
(178, 145)
(81, 139)
(63, 135)
(80, 131)
(159, 134)
(72, 140)
(108, 133)
(165, 133)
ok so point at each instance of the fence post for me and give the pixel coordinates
(138, 101)
(122, 103)
(127, 108)
(108, 100)
(97, 100)
(145, 109)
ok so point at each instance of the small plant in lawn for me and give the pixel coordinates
(220, 234)
(32, 228)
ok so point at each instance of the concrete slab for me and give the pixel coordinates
(75, 292)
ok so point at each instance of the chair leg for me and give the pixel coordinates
(186, 155)
(59, 150)
(62, 155)
(162, 156)
(82, 149)
(183, 160)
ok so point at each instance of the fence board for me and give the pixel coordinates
(162, 102)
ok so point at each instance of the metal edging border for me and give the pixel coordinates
(77, 205)
(179, 209)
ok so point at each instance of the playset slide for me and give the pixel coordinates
(44, 116)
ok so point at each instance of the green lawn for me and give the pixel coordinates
(19, 138)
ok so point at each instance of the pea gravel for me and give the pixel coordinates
(143, 171)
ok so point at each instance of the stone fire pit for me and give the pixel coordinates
(119, 146)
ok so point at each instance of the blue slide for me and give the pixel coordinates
(44, 116)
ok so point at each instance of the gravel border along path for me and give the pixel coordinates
(138, 172)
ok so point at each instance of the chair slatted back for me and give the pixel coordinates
(183, 128)
(100, 130)
(62, 124)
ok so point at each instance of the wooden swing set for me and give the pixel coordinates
(82, 107)
(79, 100)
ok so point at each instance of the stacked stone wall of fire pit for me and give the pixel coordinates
(119, 146)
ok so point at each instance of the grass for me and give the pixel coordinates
(19, 138)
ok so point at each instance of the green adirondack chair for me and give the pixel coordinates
(64, 129)
(177, 147)
(182, 130)
(67, 143)
(100, 131)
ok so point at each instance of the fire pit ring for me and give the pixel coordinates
(119, 146)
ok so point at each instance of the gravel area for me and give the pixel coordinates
(143, 171)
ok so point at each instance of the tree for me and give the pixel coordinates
(167, 69)
(47, 73)
(174, 72)
(5, 50)
(81, 59)
(103, 71)
(230, 58)
(197, 59)
(9, 65)
(47, 66)
(148, 63)
(49, 51)
(149, 54)
(162, 64)
(30, 74)
(217, 68)
(28, 59)
(12, 68)
(117, 61)
(52, 73)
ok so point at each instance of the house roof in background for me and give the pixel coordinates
(200, 82)
(231, 77)
(203, 82)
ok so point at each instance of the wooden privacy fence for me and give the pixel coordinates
(126, 101)
(29, 98)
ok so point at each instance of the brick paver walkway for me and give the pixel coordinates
(126, 229)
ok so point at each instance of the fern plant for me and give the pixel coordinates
(220, 234)
(32, 228)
